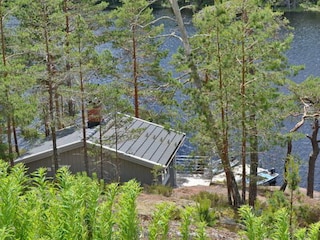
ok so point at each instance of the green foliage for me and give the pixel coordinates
(314, 231)
(255, 228)
(205, 203)
(159, 189)
(201, 231)
(217, 201)
(79, 207)
(159, 226)
(105, 220)
(277, 200)
(292, 177)
(71, 207)
(281, 225)
(261, 227)
(186, 216)
(156, 173)
(310, 233)
(126, 216)
(137, 36)
(205, 212)
(307, 214)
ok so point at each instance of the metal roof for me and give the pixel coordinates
(140, 141)
(140, 138)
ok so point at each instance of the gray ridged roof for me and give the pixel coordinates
(142, 139)
(136, 138)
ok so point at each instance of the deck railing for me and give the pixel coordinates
(191, 164)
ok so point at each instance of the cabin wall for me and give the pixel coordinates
(73, 159)
(113, 171)
(123, 171)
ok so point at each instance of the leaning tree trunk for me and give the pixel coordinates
(233, 191)
(313, 157)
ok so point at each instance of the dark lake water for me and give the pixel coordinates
(305, 50)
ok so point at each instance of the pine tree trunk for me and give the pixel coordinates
(233, 191)
(254, 163)
(289, 150)
(71, 104)
(313, 157)
(51, 90)
(53, 128)
(84, 132)
(135, 74)
(9, 136)
(14, 130)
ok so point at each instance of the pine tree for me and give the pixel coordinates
(239, 61)
(307, 95)
(136, 35)
(43, 32)
(14, 82)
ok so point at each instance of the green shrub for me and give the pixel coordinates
(254, 227)
(159, 189)
(126, 212)
(307, 214)
(159, 226)
(186, 221)
(217, 201)
(201, 231)
(281, 225)
(205, 212)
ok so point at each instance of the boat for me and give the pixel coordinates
(267, 177)
(264, 176)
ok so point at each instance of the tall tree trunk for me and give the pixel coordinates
(58, 109)
(243, 123)
(234, 198)
(14, 130)
(71, 104)
(101, 152)
(313, 157)
(83, 117)
(135, 73)
(51, 90)
(289, 151)
(53, 128)
(254, 162)
(9, 131)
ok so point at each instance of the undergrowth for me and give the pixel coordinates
(79, 207)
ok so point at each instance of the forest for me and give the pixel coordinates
(225, 87)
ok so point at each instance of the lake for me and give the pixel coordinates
(305, 50)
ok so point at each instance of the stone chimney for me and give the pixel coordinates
(94, 113)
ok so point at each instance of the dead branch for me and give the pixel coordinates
(158, 19)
